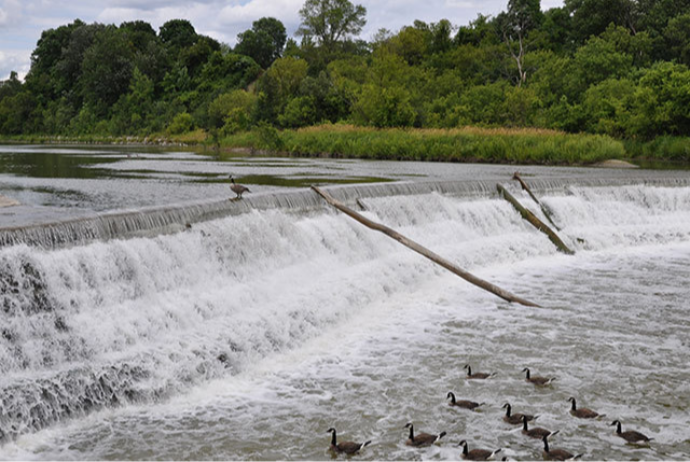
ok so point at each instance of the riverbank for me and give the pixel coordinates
(468, 144)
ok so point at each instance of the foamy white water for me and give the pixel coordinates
(248, 337)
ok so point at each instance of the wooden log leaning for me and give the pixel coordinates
(545, 211)
(505, 295)
(534, 220)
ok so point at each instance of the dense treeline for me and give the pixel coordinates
(613, 67)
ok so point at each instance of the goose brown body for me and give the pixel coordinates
(476, 454)
(477, 375)
(515, 419)
(557, 454)
(461, 402)
(537, 379)
(536, 432)
(346, 447)
(582, 413)
(631, 436)
(421, 439)
(238, 188)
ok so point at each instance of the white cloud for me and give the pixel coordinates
(17, 61)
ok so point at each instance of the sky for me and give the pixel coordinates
(22, 21)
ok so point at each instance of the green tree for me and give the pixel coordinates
(264, 42)
(231, 112)
(514, 26)
(677, 35)
(176, 35)
(331, 21)
(106, 70)
(591, 17)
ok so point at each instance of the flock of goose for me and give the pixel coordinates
(427, 439)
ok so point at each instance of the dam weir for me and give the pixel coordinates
(124, 331)
(154, 220)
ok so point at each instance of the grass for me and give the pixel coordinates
(501, 145)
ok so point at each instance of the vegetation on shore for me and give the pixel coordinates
(591, 80)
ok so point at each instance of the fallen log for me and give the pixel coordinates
(423, 251)
(534, 220)
(545, 210)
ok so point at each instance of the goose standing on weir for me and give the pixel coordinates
(421, 439)
(471, 405)
(346, 447)
(631, 436)
(237, 189)
(476, 454)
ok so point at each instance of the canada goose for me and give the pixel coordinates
(537, 380)
(557, 454)
(348, 447)
(536, 432)
(462, 403)
(477, 375)
(476, 454)
(583, 412)
(631, 436)
(421, 439)
(514, 419)
(238, 188)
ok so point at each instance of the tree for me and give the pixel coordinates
(330, 21)
(177, 34)
(264, 42)
(592, 17)
(514, 25)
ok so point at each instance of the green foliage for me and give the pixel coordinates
(231, 112)
(264, 42)
(182, 123)
(616, 68)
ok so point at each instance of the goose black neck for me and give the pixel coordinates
(411, 432)
(451, 395)
(469, 370)
(465, 450)
(618, 427)
(524, 423)
(508, 410)
(574, 406)
(333, 438)
(527, 373)
(546, 444)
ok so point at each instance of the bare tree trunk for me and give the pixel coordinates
(534, 221)
(547, 213)
(423, 251)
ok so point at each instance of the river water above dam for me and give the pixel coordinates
(248, 335)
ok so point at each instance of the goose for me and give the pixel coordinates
(537, 380)
(461, 403)
(421, 439)
(476, 454)
(347, 447)
(477, 375)
(557, 454)
(536, 432)
(238, 188)
(583, 412)
(631, 436)
(515, 419)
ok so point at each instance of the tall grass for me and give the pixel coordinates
(533, 146)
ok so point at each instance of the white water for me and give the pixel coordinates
(248, 337)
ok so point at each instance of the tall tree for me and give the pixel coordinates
(514, 25)
(264, 42)
(330, 21)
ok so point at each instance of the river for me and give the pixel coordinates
(247, 336)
